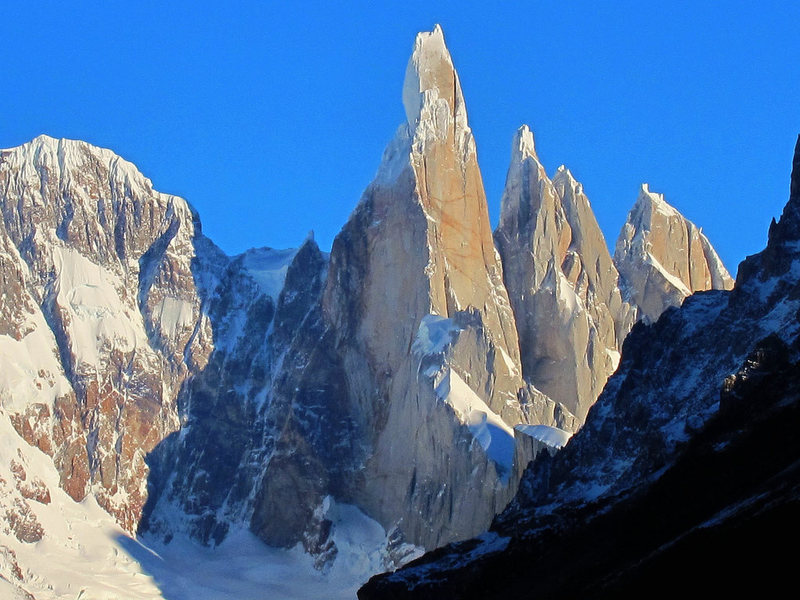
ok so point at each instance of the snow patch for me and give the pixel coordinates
(84, 554)
(243, 568)
(268, 267)
(175, 315)
(551, 436)
(614, 356)
(97, 317)
(30, 370)
(492, 433)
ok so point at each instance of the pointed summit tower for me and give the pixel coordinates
(423, 234)
(418, 354)
(662, 257)
(561, 280)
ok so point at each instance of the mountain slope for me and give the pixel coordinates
(102, 307)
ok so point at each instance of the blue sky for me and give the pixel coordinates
(271, 118)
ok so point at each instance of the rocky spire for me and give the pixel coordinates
(788, 228)
(430, 80)
(561, 281)
(523, 146)
(662, 257)
(795, 183)
(782, 248)
(419, 320)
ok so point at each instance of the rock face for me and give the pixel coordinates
(204, 477)
(419, 331)
(573, 304)
(386, 375)
(101, 313)
(662, 257)
(671, 423)
(561, 281)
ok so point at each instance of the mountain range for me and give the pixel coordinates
(358, 407)
(685, 475)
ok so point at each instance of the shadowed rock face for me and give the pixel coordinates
(662, 257)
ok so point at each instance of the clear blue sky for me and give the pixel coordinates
(271, 118)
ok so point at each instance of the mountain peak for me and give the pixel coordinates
(662, 257)
(782, 249)
(523, 145)
(564, 179)
(563, 172)
(431, 80)
(654, 202)
(790, 219)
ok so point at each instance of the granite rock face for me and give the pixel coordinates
(662, 257)
(561, 280)
(419, 331)
(573, 304)
(386, 375)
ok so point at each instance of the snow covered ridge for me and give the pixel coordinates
(103, 264)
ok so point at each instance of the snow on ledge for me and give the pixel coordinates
(491, 432)
(268, 267)
(551, 436)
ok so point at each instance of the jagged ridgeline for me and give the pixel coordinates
(684, 475)
(413, 372)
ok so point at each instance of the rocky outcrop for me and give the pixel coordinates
(561, 281)
(662, 257)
